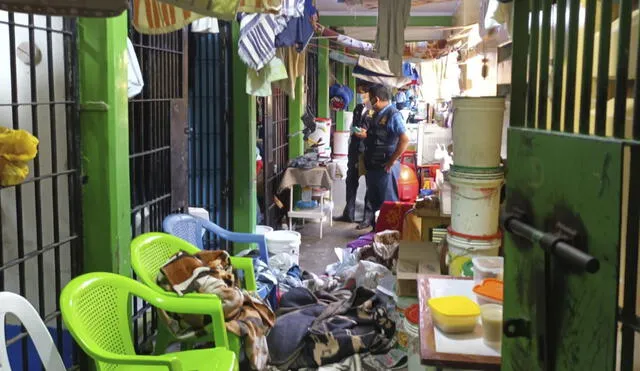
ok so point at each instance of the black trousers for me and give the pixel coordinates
(353, 182)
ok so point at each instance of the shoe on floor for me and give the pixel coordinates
(363, 225)
(343, 219)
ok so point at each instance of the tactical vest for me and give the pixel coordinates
(380, 143)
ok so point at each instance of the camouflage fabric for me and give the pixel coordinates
(211, 272)
(316, 330)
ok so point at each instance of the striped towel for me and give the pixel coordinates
(221, 9)
(256, 46)
(152, 17)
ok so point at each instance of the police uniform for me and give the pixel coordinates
(382, 139)
(361, 119)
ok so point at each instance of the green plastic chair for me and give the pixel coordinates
(96, 308)
(149, 252)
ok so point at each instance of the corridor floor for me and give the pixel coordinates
(316, 253)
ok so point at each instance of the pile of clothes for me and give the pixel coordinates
(318, 329)
(210, 272)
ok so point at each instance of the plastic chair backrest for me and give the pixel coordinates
(185, 226)
(19, 307)
(150, 251)
(96, 310)
(190, 228)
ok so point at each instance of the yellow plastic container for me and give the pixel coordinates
(454, 314)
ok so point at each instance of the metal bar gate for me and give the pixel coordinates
(41, 219)
(575, 84)
(157, 135)
(210, 128)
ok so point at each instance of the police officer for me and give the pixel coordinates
(385, 142)
(362, 116)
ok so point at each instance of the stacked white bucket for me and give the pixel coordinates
(476, 179)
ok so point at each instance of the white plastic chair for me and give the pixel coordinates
(26, 313)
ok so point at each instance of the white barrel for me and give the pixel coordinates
(461, 250)
(263, 229)
(475, 201)
(284, 242)
(477, 131)
(322, 134)
(348, 120)
(340, 144)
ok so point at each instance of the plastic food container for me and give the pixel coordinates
(486, 267)
(490, 291)
(454, 314)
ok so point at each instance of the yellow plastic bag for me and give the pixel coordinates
(17, 147)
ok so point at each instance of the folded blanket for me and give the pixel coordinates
(211, 272)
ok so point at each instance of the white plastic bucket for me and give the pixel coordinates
(322, 134)
(284, 242)
(461, 250)
(477, 131)
(341, 144)
(263, 229)
(475, 201)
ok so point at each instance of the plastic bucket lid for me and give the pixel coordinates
(283, 236)
(263, 229)
(471, 245)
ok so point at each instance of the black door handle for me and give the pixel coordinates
(553, 243)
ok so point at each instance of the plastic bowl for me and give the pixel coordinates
(454, 314)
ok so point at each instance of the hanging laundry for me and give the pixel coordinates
(205, 25)
(377, 71)
(259, 82)
(292, 8)
(260, 6)
(393, 16)
(222, 9)
(340, 96)
(134, 74)
(346, 41)
(342, 58)
(17, 147)
(70, 8)
(151, 17)
(296, 64)
(256, 46)
(299, 31)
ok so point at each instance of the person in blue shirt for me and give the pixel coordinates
(385, 141)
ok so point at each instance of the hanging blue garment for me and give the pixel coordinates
(299, 30)
(340, 96)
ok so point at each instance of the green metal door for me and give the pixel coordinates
(573, 188)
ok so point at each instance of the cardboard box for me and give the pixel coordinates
(415, 257)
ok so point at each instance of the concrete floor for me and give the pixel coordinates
(316, 253)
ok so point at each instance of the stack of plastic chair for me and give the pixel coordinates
(96, 308)
(191, 229)
(149, 252)
(19, 307)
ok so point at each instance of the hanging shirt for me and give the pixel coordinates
(256, 46)
(393, 16)
(298, 31)
(221, 9)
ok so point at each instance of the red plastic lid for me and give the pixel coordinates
(486, 237)
(413, 314)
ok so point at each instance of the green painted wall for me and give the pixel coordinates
(341, 77)
(296, 110)
(244, 148)
(323, 78)
(105, 143)
(352, 85)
